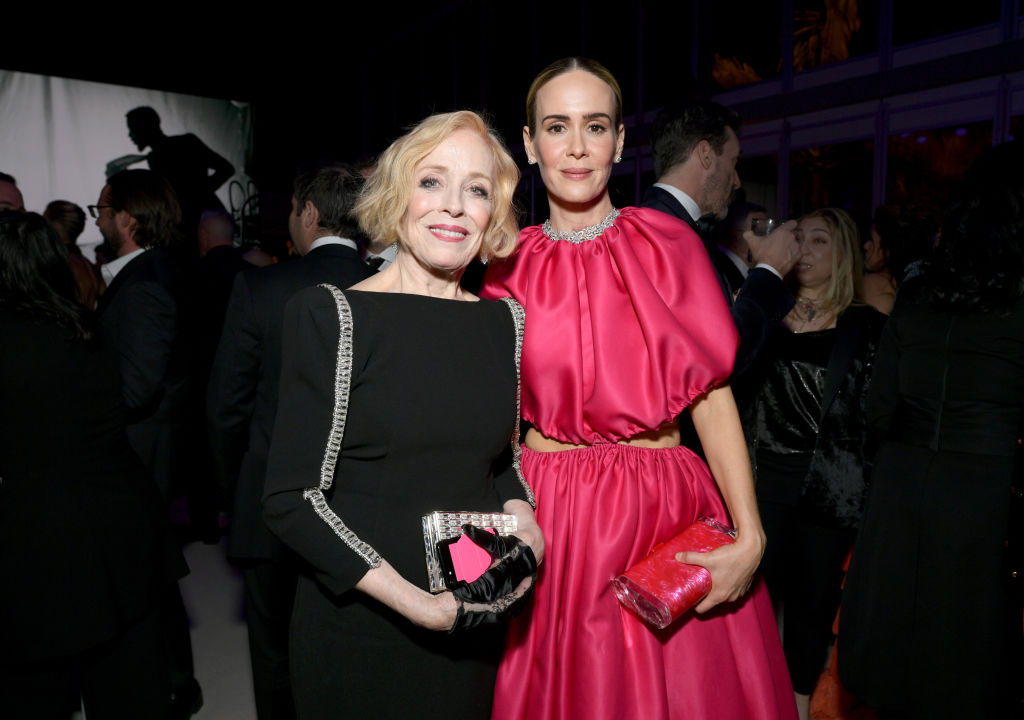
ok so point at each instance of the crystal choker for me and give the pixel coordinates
(582, 235)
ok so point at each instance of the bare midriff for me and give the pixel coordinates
(664, 437)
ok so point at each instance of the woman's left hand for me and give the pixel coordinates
(528, 530)
(732, 568)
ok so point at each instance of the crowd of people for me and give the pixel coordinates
(616, 375)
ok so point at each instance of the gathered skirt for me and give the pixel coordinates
(576, 653)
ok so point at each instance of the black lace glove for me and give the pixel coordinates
(502, 591)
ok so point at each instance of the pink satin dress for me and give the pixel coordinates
(622, 332)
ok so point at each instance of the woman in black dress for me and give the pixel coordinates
(400, 397)
(84, 549)
(808, 431)
(922, 632)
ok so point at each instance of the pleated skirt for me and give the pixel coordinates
(578, 654)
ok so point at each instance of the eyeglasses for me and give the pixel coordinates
(94, 210)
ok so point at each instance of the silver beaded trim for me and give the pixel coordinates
(519, 318)
(580, 236)
(342, 386)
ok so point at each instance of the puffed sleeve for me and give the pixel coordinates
(316, 373)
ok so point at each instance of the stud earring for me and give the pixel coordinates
(530, 161)
(618, 158)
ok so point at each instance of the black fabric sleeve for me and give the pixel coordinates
(506, 480)
(762, 302)
(307, 438)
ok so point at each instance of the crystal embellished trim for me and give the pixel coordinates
(342, 385)
(519, 318)
(580, 236)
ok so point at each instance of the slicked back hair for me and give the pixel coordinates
(561, 67)
(66, 216)
(333, 189)
(678, 128)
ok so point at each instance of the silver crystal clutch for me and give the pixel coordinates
(444, 525)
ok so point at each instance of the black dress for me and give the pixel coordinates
(85, 549)
(921, 626)
(424, 423)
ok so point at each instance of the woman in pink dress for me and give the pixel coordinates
(627, 327)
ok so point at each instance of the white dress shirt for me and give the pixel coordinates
(111, 269)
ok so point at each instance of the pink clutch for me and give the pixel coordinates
(659, 588)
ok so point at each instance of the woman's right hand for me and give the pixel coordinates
(732, 569)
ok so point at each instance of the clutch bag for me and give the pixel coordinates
(453, 558)
(659, 588)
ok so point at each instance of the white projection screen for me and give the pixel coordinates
(57, 136)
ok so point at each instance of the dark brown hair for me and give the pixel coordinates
(148, 198)
(561, 67)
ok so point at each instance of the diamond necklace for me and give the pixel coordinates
(583, 234)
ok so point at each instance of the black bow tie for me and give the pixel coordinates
(705, 226)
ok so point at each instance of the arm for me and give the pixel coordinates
(732, 567)
(231, 394)
(764, 299)
(762, 303)
(300, 470)
(529, 531)
(879, 292)
(222, 169)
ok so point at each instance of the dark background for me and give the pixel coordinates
(341, 81)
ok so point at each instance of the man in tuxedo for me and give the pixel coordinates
(138, 215)
(695, 149)
(242, 403)
(141, 315)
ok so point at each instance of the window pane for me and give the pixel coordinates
(925, 166)
(831, 32)
(833, 176)
(1017, 125)
(914, 20)
(746, 51)
(760, 179)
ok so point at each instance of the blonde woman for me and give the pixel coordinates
(399, 397)
(808, 429)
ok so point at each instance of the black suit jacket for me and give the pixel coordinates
(241, 399)
(726, 268)
(758, 305)
(141, 315)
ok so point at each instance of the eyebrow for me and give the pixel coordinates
(587, 116)
(444, 169)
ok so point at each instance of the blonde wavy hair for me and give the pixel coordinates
(845, 287)
(385, 200)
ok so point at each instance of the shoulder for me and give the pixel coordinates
(657, 224)
(879, 283)
(865, 317)
(662, 201)
(317, 311)
(505, 309)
